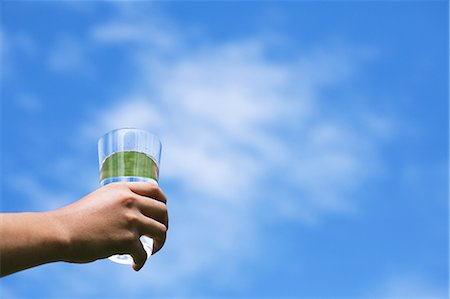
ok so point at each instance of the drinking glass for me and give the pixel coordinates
(129, 155)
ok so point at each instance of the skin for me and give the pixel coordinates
(107, 221)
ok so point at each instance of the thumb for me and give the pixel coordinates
(139, 255)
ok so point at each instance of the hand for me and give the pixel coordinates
(111, 220)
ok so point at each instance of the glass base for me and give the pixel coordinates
(127, 259)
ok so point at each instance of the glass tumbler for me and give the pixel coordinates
(129, 155)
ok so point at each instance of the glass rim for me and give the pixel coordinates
(130, 129)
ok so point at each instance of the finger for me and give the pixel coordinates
(155, 230)
(153, 209)
(147, 189)
(158, 244)
(139, 255)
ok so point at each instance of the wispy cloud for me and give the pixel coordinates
(238, 128)
(38, 195)
(11, 45)
(408, 285)
(232, 121)
(124, 32)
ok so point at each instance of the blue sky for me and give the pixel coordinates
(305, 145)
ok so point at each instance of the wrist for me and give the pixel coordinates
(60, 235)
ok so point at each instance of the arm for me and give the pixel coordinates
(28, 240)
(106, 222)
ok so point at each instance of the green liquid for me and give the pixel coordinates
(129, 163)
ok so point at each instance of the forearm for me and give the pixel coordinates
(107, 221)
(30, 239)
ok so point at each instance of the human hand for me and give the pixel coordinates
(111, 220)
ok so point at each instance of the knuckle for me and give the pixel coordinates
(159, 232)
(128, 200)
(131, 219)
(159, 194)
(162, 208)
(162, 229)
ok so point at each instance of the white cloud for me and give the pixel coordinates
(125, 32)
(38, 196)
(408, 285)
(231, 119)
(137, 25)
(138, 112)
(12, 44)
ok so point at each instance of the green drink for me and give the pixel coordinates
(132, 165)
